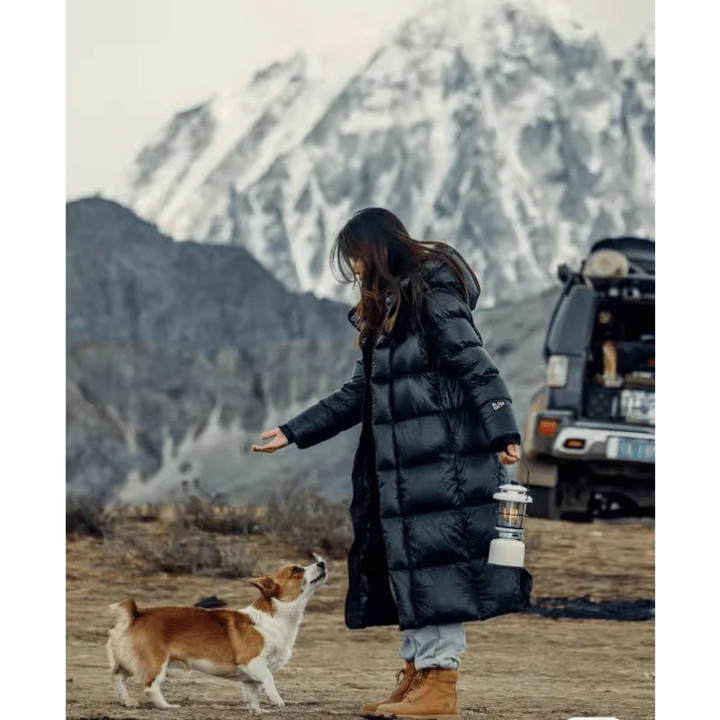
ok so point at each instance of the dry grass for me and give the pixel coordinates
(206, 536)
(310, 523)
(517, 667)
(185, 550)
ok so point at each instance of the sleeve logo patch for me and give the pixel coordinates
(498, 405)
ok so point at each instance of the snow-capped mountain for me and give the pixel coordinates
(500, 127)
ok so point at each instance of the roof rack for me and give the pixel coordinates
(643, 284)
(624, 243)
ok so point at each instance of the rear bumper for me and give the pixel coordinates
(600, 442)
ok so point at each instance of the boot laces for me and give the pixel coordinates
(416, 681)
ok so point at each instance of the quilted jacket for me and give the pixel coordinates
(435, 412)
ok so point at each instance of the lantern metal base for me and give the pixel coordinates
(512, 533)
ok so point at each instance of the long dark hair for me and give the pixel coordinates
(393, 281)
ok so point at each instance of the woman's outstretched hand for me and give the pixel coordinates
(278, 441)
(510, 455)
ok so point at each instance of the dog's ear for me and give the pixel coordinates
(267, 586)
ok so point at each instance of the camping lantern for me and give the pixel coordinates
(508, 548)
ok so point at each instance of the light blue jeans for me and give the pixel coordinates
(434, 646)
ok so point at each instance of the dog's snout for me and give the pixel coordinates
(322, 565)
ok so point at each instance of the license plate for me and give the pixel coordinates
(638, 450)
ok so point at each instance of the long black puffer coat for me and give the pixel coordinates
(435, 412)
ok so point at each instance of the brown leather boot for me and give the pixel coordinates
(432, 696)
(404, 679)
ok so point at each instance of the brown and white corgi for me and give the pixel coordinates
(244, 645)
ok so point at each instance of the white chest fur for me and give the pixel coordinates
(279, 630)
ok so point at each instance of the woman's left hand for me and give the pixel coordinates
(510, 455)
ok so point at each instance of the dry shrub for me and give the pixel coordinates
(302, 518)
(86, 519)
(223, 518)
(187, 551)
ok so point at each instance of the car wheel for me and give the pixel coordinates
(544, 502)
(573, 498)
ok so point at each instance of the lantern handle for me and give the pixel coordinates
(527, 470)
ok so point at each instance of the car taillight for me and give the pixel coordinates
(548, 427)
(557, 371)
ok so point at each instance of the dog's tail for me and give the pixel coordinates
(125, 611)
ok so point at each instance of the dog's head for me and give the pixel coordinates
(293, 582)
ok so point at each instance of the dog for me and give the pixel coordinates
(244, 645)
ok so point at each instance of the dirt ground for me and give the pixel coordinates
(517, 667)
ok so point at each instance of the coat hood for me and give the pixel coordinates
(440, 275)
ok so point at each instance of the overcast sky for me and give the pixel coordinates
(131, 64)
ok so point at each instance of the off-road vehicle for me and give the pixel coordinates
(589, 438)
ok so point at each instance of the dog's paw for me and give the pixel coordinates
(258, 711)
(170, 706)
(131, 703)
(279, 702)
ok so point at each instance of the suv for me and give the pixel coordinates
(589, 438)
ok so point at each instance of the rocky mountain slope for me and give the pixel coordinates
(499, 126)
(180, 354)
(127, 281)
(166, 340)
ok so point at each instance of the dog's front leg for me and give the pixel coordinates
(251, 695)
(259, 671)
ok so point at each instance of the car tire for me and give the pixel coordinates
(544, 502)
(571, 484)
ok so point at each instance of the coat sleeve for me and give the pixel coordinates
(459, 350)
(338, 411)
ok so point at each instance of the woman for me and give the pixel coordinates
(437, 424)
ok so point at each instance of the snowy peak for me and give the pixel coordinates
(501, 127)
(279, 72)
(199, 142)
(645, 46)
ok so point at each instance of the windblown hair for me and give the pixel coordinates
(393, 284)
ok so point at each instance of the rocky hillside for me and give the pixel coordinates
(180, 354)
(127, 281)
(170, 342)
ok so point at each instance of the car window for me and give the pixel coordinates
(625, 322)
